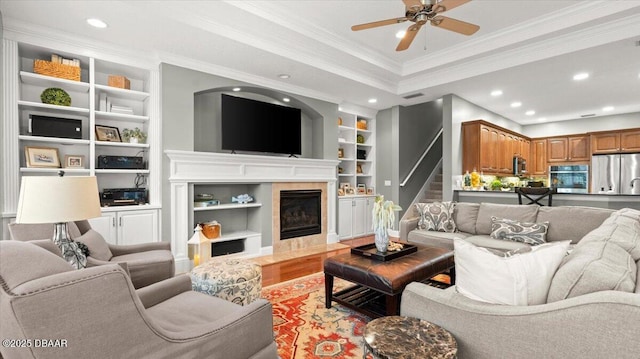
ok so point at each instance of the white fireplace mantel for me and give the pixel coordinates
(188, 168)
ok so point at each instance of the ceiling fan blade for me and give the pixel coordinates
(369, 25)
(458, 26)
(445, 5)
(409, 4)
(411, 33)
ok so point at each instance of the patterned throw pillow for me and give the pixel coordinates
(436, 216)
(525, 232)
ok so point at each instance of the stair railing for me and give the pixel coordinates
(424, 154)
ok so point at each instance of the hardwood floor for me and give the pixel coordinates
(276, 270)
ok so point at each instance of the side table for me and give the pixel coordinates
(402, 337)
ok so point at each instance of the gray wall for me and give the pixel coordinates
(178, 86)
(583, 125)
(419, 125)
(1, 106)
(387, 166)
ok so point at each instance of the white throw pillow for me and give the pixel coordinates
(521, 279)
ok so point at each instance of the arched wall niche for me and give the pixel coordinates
(207, 119)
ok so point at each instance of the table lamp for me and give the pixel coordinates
(58, 200)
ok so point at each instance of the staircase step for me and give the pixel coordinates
(435, 186)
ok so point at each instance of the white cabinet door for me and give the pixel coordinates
(359, 214)
(345, 217)
(368, 225)
(135, 227)
(106, 226)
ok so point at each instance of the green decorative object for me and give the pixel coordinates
(134, 136)
(360, 139)
(55, 96)
(496, 185)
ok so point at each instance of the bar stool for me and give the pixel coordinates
(536, 194)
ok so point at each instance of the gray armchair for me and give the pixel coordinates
(96, 312)
(146, 263)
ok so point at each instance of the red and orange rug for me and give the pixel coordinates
(305, 329)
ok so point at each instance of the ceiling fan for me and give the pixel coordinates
(420, 12)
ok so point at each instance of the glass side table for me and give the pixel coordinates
(403, 338)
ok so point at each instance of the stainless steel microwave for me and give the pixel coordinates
(569, 179)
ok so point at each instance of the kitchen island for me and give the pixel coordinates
(612, 201)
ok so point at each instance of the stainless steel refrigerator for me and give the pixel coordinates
(616, 174)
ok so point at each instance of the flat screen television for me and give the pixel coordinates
(250, 125)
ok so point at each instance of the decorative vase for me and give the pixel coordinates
(382, 240)
(133, 140)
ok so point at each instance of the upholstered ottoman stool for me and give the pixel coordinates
(236, 280)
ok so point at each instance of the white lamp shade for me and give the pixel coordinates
(48, 199)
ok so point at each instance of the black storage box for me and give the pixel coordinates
(55, 127)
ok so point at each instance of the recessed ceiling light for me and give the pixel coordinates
(97, 23)
(581, 76)
(530, 113)
(286, 99)
(607, 108)
(373, 100)
(400, 34)
(496, 93)
(284, 76)
(236, 89)
(516, 104)
(542, 119)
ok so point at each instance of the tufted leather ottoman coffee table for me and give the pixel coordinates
(379, 284)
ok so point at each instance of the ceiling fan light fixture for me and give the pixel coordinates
(516, 104)
(496, 93)
(400, 34)
(581, 76)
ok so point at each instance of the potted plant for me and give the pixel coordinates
(383, 218)
(496, 185)
(134, 136)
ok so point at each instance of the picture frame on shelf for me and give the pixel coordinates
(345, 185)
(370, 190)
(350, 191)
(42, 157)
(359, 169)
(108, 134)
(362, 190)
(340, 192)
(74, 161)
(340, 153)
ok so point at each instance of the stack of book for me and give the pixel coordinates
(61, 60)
(105, 105)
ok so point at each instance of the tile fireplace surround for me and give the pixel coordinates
(188, 168)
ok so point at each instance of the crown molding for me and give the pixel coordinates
(236, 75)
(575, 15)
(616, 30)
(37, 35)
(290, 20)
(309, 56)
(352, 108)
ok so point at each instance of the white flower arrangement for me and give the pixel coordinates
(383, 214)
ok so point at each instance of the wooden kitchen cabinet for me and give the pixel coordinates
(616, 141)
(490, 149)
(568, 149)
(538, 161)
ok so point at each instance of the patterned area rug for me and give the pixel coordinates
(304, 328)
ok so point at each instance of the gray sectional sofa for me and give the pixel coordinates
(593, 303)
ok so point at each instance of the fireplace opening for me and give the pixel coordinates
(300, 213)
